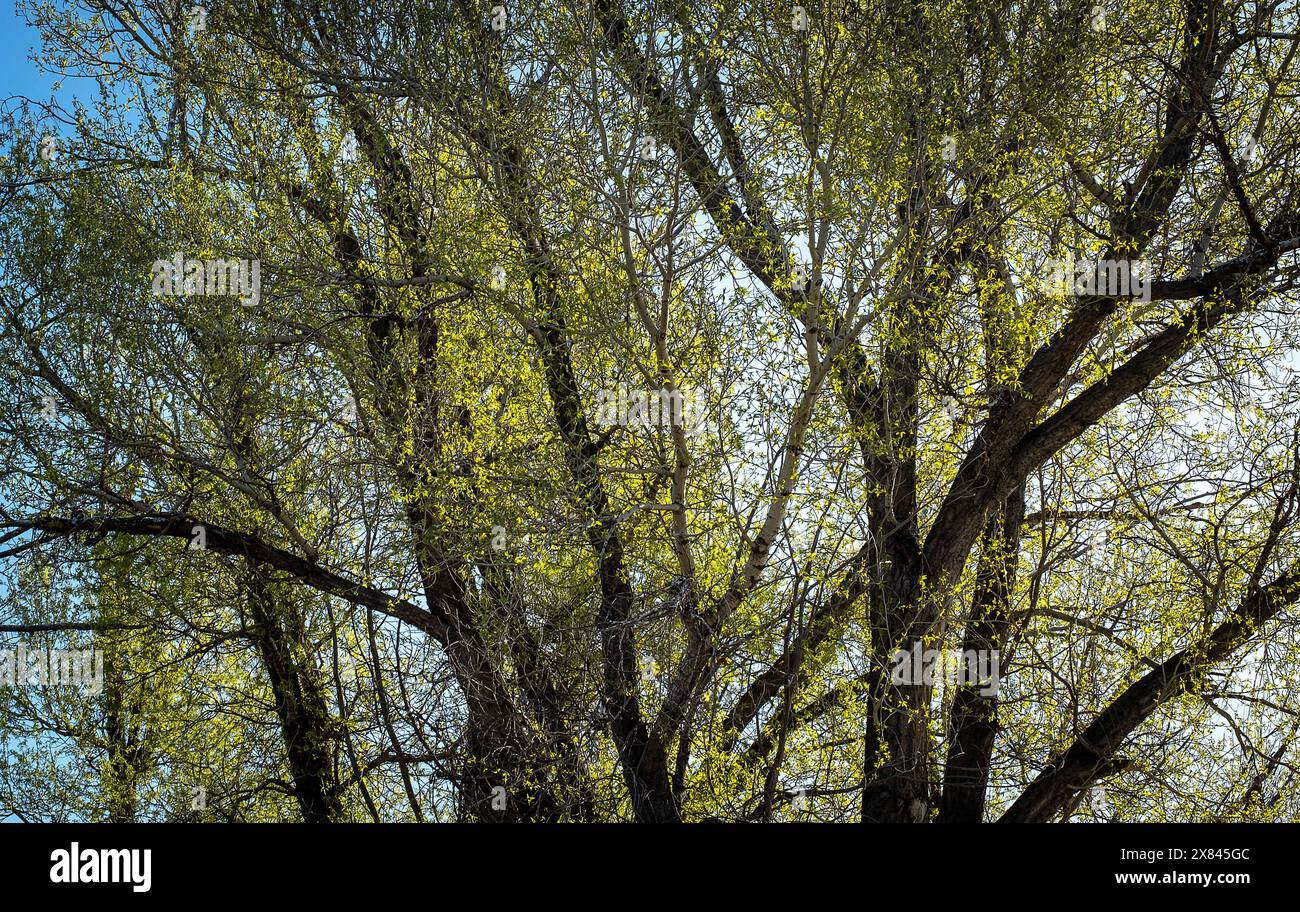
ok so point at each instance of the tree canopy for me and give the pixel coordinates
(602, 411)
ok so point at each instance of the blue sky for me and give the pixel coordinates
(18, 74)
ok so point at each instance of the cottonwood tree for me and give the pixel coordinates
(628, 385)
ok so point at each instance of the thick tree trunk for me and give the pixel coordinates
(300, 703)
(125, 761)
(897, 738)
(974, 713)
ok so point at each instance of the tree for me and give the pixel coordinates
(627, 411)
